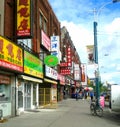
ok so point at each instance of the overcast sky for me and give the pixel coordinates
(78, 17)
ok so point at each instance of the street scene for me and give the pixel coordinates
(59, 63)
(69, 113)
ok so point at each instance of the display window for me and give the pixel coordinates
(4, 92)
(5, 88)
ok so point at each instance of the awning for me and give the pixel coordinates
(51, 81)
(30, 78)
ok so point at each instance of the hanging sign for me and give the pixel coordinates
(51, 60)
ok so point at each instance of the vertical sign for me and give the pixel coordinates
(24, 18)
(90, 52)
(76, 72)
(69, 58)
(55, 48)
(84, 74)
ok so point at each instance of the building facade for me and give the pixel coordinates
(33, 57)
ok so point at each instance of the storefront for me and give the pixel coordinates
(11, 64)
(28, 84)
(60, 88)
(48, 90)
(28, 95)
(7, 94)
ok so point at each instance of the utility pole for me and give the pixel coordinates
(96, 13)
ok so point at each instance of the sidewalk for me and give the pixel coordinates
(69, 113)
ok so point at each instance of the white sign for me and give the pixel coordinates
(51, 73)
(55, 43)
(76, 72)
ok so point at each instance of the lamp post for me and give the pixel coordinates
(96, 49)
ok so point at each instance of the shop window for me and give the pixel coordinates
(4, 92)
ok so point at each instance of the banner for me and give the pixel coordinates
(90, 52)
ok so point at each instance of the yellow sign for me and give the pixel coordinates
(10, 55)
(23, 18)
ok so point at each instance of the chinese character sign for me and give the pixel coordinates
(24, 18)
(10, 55)
(69, 58)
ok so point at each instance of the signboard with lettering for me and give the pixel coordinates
(51, 60)
(24, 18)
(45, 40)
(51, 73)
(10, 55)
(32, 65)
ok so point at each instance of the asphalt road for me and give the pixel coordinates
(69, 113)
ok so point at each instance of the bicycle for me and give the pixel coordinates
(96, 109)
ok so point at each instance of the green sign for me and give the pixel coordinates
(51, 60)
(32, 65)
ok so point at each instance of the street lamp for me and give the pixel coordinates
(96, 50)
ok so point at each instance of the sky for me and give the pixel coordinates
(78, 17)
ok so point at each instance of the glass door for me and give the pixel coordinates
(27, 97)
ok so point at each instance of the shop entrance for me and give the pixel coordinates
(48, 97)
(44, 96)
(27, 97)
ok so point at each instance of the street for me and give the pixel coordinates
(69, 113)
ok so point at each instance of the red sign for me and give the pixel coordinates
(46, 41)
(69, 58)
(64, 64)
(4, 79)
(65, 71)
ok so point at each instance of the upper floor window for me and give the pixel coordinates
(43, 22)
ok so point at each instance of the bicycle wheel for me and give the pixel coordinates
(99, 111)
(92, 109)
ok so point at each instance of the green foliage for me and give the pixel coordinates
(101, 87)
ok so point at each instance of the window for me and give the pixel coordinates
(41, 17)
(45, 26)
(4, 92)
(26, 43)
(43, 22)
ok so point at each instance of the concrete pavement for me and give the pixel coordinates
(69, 113)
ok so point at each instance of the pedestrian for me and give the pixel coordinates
(91, 95)
(76, 94)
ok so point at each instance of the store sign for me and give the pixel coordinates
(45, 41)
(62, 79)
(69, 57)
(24, 18)
(55, 43)
(4, 79)
(65, 71)
(51, 60)
(77, 72)
(63, 64)
(10, 55)
(55, 48)
(50, 72)
(32, 65)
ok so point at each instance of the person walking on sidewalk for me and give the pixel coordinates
(91, 95)
(76, 94)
